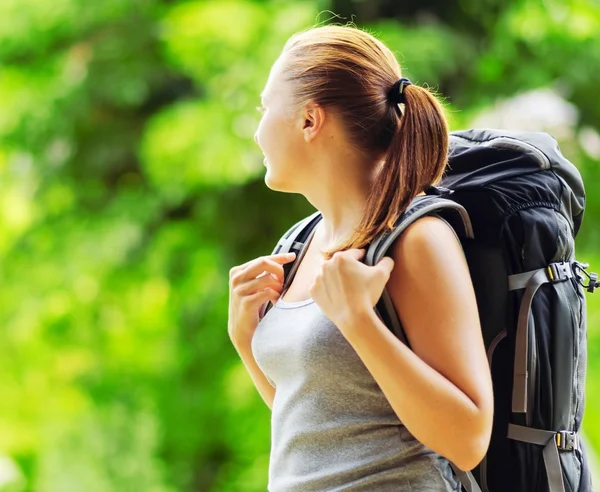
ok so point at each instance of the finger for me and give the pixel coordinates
(357, 254)
(272, 275)
(260, 297)
(259, 283)
(283, 257)
(271, 264)
(280, 258)
(386, 265)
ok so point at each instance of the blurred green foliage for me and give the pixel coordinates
(130, 184)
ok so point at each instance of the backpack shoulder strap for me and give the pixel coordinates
(421, 206)
(294, 240)
(457, 217)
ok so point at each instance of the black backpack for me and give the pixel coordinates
(516, 204)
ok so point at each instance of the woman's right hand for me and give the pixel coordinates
(250, 286)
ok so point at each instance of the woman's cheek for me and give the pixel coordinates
(267, 135)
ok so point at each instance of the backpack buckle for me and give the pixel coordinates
(566, 440)
(559, 271)
(593, 282)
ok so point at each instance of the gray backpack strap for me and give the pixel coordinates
(530, 281)
(288, 241)
(552, 442)
(466, 479)
(294, 240)
(419, 207)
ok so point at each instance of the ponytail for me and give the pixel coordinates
(415, 159)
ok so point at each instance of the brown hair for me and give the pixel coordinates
(351, 72)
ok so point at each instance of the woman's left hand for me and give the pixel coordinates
(346, 287)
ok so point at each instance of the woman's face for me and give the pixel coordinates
(280, 137)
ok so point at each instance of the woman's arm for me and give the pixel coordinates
(441, 387)
(264, 387)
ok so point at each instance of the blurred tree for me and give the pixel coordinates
(130, 184)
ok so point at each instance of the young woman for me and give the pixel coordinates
(353, 408)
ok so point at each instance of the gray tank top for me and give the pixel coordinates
(332, 428)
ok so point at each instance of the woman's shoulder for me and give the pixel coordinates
(427, 236)
(431, 289)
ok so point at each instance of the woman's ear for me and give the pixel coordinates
(313, 119)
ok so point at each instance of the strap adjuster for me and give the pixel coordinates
(558, 271)
(566, 440)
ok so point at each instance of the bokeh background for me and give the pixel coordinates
(130, 184)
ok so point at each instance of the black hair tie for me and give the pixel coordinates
(396, 93)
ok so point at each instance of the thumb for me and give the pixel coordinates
(357, 254)
(283, 257)
(386, 265)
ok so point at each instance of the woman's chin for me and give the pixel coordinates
(275, 184)
(272, 183)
